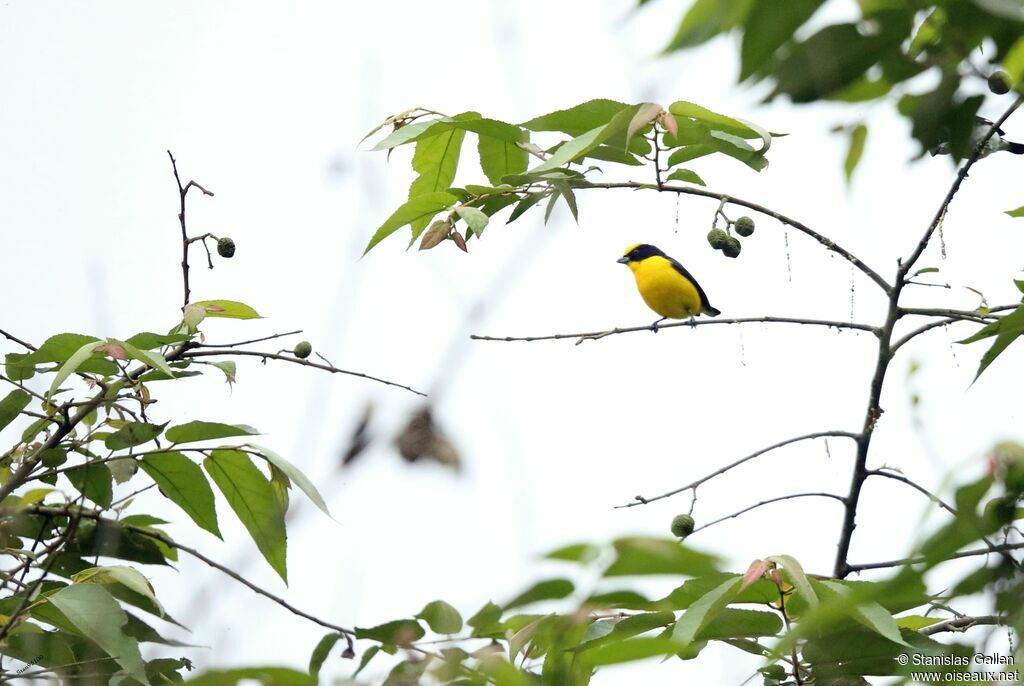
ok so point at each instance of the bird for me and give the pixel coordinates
(665, 285)
(996, 143)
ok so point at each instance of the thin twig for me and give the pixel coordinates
(917, 487)
(1002, 548)
(597, 335)
(185, 241)
(251, 340)
(294, 360)
(12, 337)
(769, 502)
(642, 500)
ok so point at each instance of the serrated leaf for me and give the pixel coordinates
(147, 357)
(97, 615)
(570, 198)
(414, 209)
(191, 432)
(249, 494)
(71, 365)
(687, 176)
(526, 203)
(436, 160)
(183, 483)
(797, 577)
(400, 632)
(579, 119)
(700, 613)
(499, 158)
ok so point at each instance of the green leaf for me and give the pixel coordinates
(578, 552)
(831, 59)
(19, 366)
(94, 481)
(475, 219)
(687, 176)
(632, 650)
(769, 25)
(577, 120)
(321, 652)
(858, 136)
(420, 208)
(722, 123)
(615, 132)
(12, 405)
(436, 160)
(264, 676)
(734, 623)
(132, 434)
(249, 494)
(71, 365)
(642, 555)
(486, 621)
(399, 632)
(148, 341)
(706, 19)
(441, 617)
(603, 632)
(228, 309)
(794, 573)
(184, 484)
(206, 431)
(500, 158)
(570, 198)
(523, 205)
(97, 615)
(146, 357)
(1019, 212)
(295, 475)
(551, 589)
(703, 611)
(365, 660)
(112, 539)
(125, 576)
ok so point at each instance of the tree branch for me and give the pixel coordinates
(597, 335)
(295, 360)
(251, 340)
(185, 241)
(1001, 548)
(642, 500)
(917, 487)
(728, 199)
(769, 502)
(962, 623)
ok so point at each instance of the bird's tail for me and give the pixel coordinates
(711, 311)
(1015, 148)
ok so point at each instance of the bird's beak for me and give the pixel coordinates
(623, 260)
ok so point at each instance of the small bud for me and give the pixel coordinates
(225, 247)
(435, 235)
(459, 241)
(682, 526)
(999, 82)
(302, 349)
(744, 226)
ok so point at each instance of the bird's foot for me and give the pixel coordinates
(693, 323)
(654, 326)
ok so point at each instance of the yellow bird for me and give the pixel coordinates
(665, 285)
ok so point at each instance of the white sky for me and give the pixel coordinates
(265, 108)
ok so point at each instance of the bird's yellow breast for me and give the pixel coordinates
(665, 290)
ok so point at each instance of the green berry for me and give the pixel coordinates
(225, 247)
(744, 226)
(717, 238)
(682, 526)
(999, 82)
(732, 248)
(302, 349)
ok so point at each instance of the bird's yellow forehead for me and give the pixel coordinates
(631, 249)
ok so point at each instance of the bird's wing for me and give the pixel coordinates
(682, 270)
(982, 122)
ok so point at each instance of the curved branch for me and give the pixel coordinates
(722, 197)
(295, 360)
(952, 317)
(940, 214)
(251, 340)
(917, 487)
(769, 502)
(641, 500)
(597, 335)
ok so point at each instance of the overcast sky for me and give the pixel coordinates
(265, 107)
